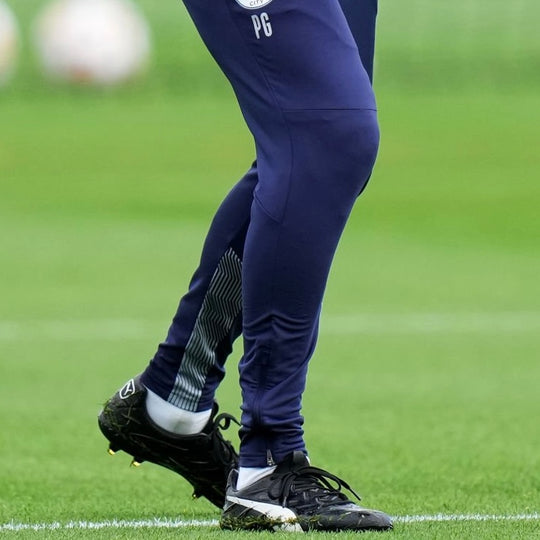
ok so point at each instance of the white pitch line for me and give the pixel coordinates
(162, 523)
(413, 323)
(436, 518)
(158, 523)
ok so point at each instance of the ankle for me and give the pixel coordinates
(250, 475)
(173, 419)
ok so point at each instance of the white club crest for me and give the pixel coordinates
(253, 4)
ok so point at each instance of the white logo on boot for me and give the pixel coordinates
(127, 390)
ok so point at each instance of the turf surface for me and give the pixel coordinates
(423, 393)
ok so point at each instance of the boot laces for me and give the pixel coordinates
(323, 487)
(223, 450)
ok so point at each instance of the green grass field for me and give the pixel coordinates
(423, 393)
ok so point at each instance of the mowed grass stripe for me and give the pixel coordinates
(179, 524)
(358, 323)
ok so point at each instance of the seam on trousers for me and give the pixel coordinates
(322, 109)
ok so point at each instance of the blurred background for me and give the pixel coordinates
(107, 186)
(421, 46)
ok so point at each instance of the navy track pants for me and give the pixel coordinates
(301, 72)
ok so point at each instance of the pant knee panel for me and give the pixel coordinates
(322, 162)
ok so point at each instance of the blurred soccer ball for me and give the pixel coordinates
(98, 42)
(9, 38)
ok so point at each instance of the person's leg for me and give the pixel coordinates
(308, 101)
(189, 365)
(309, 104)
(144, 418)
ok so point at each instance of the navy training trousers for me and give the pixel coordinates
(301, 71)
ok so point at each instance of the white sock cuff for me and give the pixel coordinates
(250, 475)
(171, 418)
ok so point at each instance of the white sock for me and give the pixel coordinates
(250, 475)
(173, 419)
